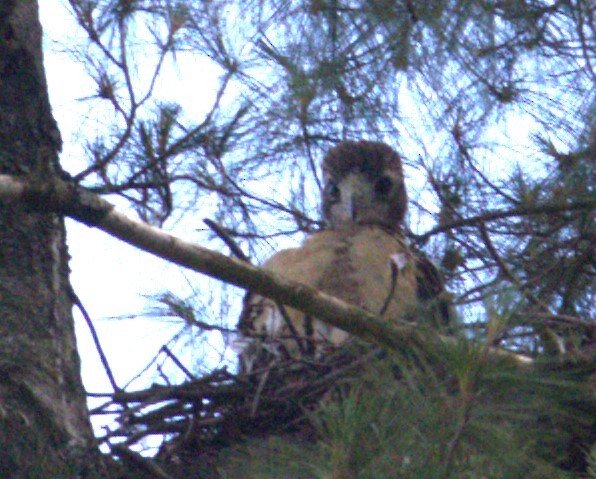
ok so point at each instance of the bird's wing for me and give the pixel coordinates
(431, 292)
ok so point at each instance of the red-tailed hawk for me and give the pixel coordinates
(361, 257)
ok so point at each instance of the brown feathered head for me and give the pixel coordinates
(364, 185)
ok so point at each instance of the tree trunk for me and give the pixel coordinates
(44, 422)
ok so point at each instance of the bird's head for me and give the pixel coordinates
(364, 185)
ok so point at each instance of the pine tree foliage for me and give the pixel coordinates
(491, 103)
(467, 416)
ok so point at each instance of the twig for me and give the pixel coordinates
(551, 342)
(227, 239)
(95, 337)
(177, 362)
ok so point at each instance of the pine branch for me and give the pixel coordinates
(55, 195)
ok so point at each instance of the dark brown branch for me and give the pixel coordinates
(227, 239)
(177, 362)
(501, 214)
(95, 337)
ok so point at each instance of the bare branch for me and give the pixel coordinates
(501, 214)
(65, 198)
(95, 337)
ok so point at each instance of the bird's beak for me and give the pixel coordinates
(353, 199)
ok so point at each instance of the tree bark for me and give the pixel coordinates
(44, 422)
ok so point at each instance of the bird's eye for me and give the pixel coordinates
(333, 192)
(383, 186)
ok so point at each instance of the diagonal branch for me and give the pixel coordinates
(55, 195)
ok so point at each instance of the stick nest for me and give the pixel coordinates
(220, 409)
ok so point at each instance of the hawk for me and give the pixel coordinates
(361, 256)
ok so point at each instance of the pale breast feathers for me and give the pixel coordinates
(368, 267)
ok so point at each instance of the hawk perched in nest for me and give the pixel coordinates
(361, 257)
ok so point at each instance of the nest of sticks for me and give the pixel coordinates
(206, 414)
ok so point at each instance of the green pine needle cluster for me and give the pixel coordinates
(460, 415)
